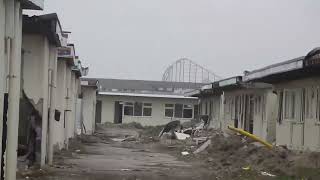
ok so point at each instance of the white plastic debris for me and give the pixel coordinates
(267, 174)
(181, 136)
(78, 150)
(185, 153)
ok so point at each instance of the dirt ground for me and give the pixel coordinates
(142, 156)
(100, 157)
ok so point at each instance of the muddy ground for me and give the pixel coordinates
(145, 157)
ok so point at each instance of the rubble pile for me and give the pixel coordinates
(230, 154)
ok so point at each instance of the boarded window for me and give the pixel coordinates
(147, 109)
(169, 110)
(187, 111)
(178, 110)
(128, 109)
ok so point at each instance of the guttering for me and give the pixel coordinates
(146, 95)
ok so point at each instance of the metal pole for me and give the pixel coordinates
(15, 12)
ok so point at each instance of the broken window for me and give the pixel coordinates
(147, 109)
(137, 109)
(289, 104)
(178, 110)
(169, 110)
(128, 109)
(187, 111)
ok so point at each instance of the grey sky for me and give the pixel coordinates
(138, 39)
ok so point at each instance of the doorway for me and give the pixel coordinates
(98, 112)
(118, 109)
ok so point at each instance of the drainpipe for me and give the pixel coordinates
(14, 14)
(53, 88)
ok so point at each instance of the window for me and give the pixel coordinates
(181, 111)
(289, 104)
(178, 110)
(137, 109)
(147, 109)
(128, 109)
(169, 110)
(187, 111)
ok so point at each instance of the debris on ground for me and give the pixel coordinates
(170, 127)
(185, 153)
(267, 174)
(203, 147)
(181, 136)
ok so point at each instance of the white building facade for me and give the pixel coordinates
(146, 109)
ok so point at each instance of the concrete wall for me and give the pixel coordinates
(2, 65)
(263, 112)
(213, 105)
(158, 109)
(59, 126)
(89, 99)
(302, 131)
(233, 104)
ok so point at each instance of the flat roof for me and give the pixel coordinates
(146, 95)
(278, 68)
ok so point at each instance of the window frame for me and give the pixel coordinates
(173, 108)
(133, 106)
(125, 104)
(144, 106)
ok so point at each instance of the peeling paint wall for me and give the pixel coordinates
(158, 109)
(211, 106)
(2, 65)
(59, 126)
(256, 104)
(300, 131)
(89, 108)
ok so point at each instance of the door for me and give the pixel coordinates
(118, 109)
(98, 112)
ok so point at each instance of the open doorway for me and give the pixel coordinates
(98, 111)
(118, 109)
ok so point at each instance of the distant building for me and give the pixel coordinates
(146, 102)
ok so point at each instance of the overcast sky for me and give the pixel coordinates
(138, 39)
